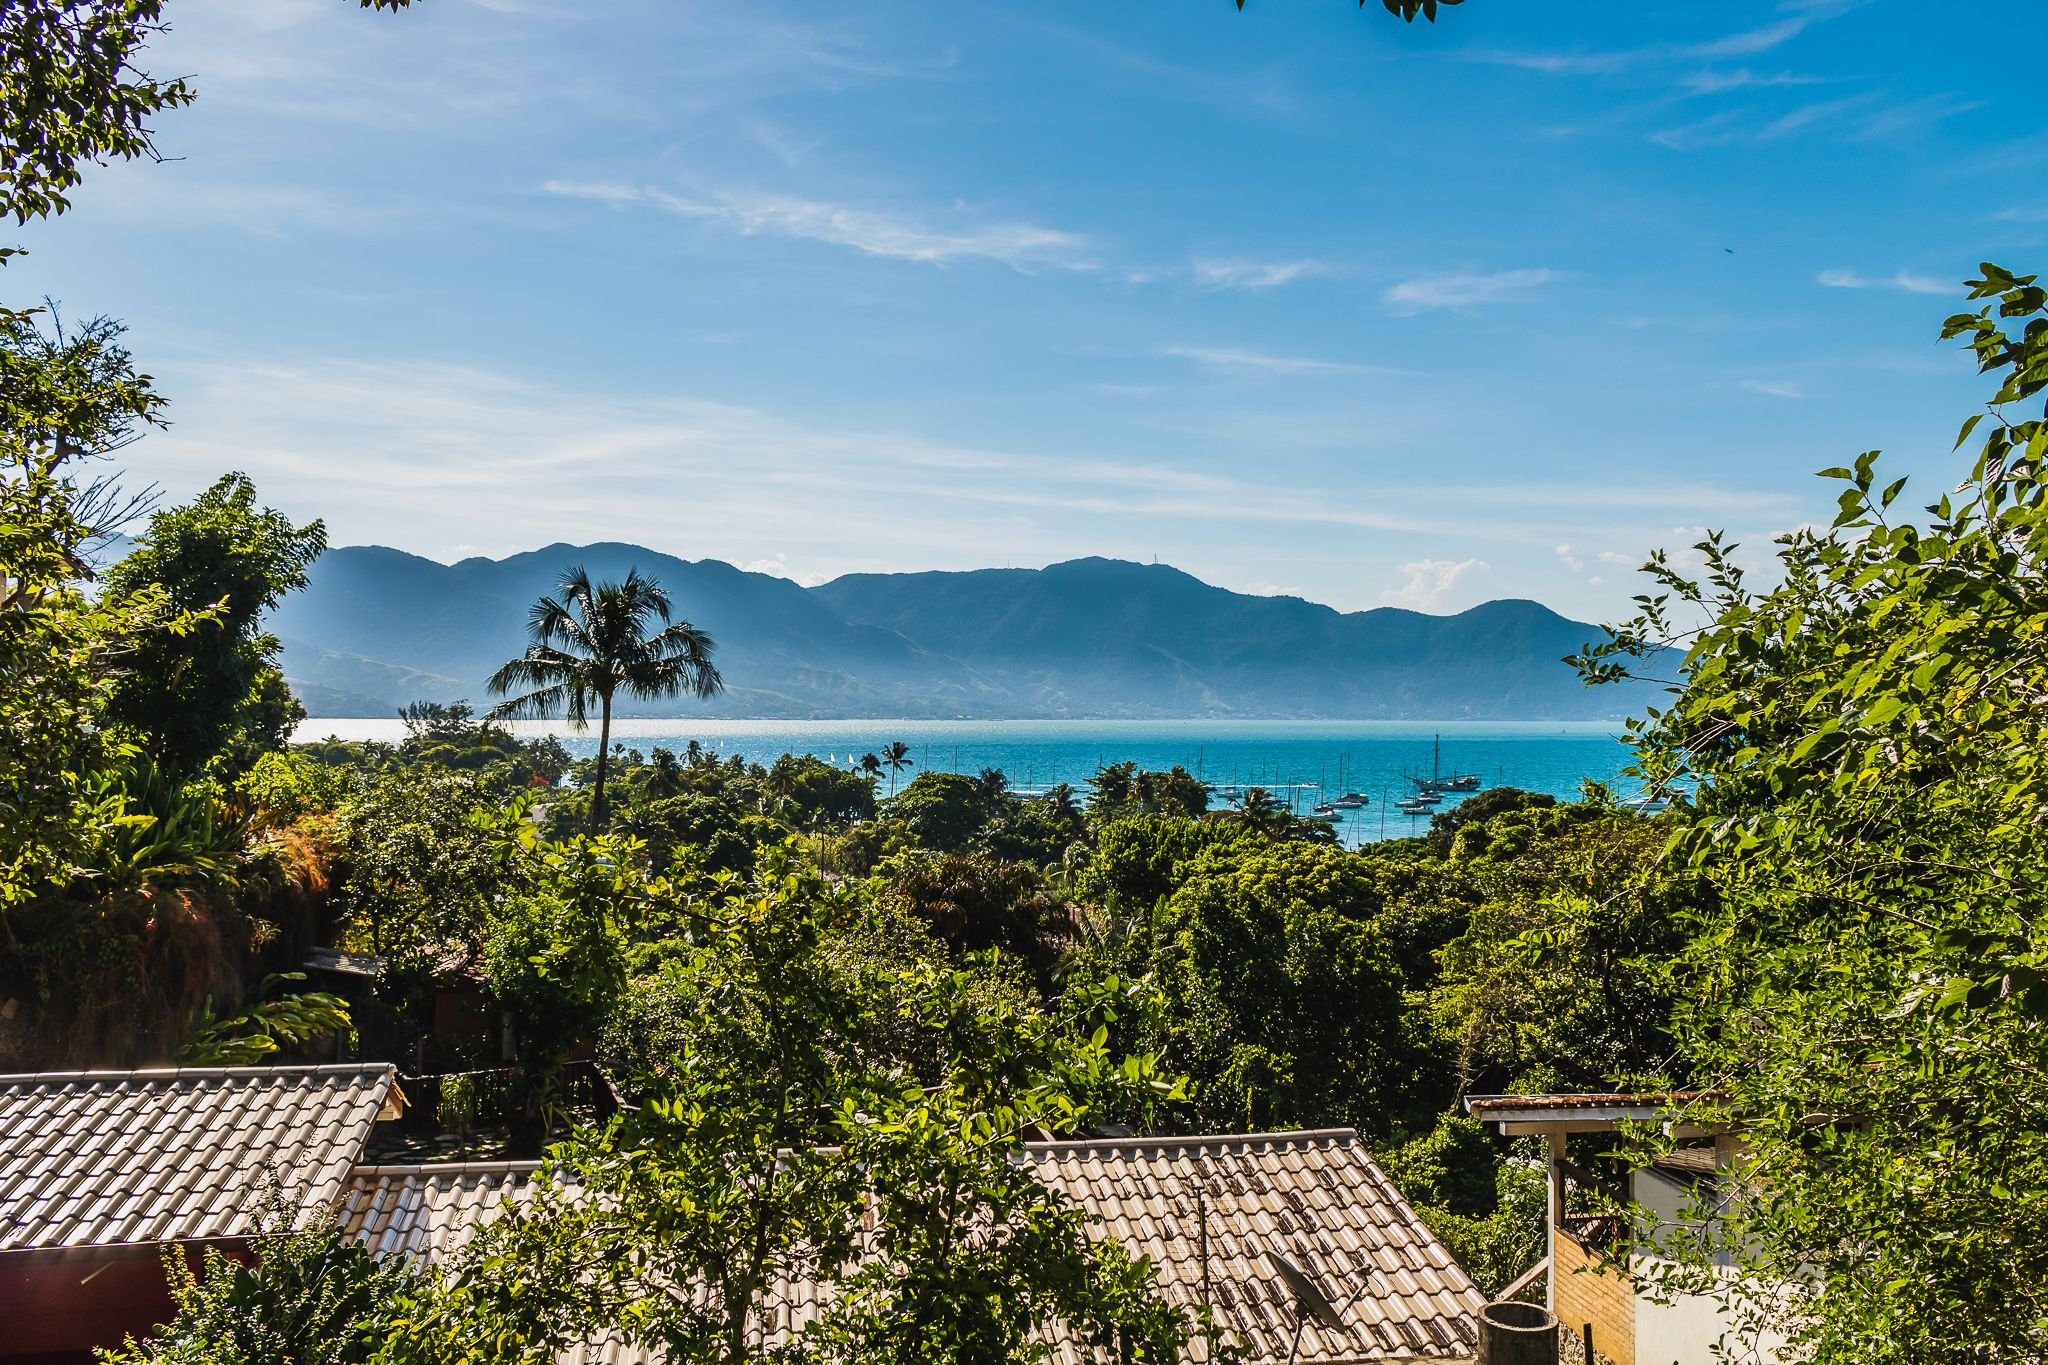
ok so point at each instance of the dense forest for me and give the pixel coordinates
(810, 991)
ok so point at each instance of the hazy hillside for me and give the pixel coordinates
(1108, 637)
(783, 651)
(1089, 638)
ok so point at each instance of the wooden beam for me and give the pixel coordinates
(1525, 1279)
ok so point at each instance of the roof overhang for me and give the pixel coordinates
(1519, 1115)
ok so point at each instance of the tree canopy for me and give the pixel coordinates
(1866, 992)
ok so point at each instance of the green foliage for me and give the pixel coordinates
(1491, 1214)
(69, 93)
(212, 694)
(1865, 992)
(1557, 980)
(812, 791)
(943, 811)
(421, 863)
(896, 758)
(141, 828)
(254, 1035)
(1040, 831)
(65, 398)
(975, 902)
(1120, 789)
(314, 1297)
(1478, 810)
(1283, 995)
(716, 834)
(288, 785)
(1138, 859)
(553, 953)
(721, 1177)
(1495, 1248)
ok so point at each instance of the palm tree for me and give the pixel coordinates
(592, 642)
(896, 757)
(871, 767)
(1262, 811)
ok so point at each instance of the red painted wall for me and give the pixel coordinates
(62, 1308)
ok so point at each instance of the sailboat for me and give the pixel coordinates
(1436, 784)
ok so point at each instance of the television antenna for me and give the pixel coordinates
(1311, 1302)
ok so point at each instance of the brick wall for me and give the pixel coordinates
(1601, 1294)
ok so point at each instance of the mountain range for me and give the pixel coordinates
(1087, 639)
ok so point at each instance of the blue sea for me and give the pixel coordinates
(1302, 762)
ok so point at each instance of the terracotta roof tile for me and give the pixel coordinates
(109, 1158)
(1316, 1198)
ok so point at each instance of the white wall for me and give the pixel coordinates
(1682, 1332)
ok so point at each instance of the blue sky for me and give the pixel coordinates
(1300, 299)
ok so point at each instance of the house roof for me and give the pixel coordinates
(343, 963)
(116, 1158)
(1315, 1198)
(1538, 1113)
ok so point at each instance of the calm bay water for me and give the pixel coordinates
(1300, 761)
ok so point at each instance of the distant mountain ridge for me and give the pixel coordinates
(1085, 639)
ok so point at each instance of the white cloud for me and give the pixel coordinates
(1228, 358)
(779, 567)
(1616, 557)
(1777, 388)
(1716, 81)
(431, 456)
(1903, 281)
(1747, 43)
(1243, 274)
(871, 231)
(1571, 561)
(1430, 581)
(1464, 290)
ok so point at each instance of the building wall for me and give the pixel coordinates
(1684, 1331)
(1586, 1287)
(66, 1307)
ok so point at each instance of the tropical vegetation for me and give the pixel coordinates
(816, 997)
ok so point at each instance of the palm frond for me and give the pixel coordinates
(539, 704)
(590, 640)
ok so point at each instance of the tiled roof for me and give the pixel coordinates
(113, 1158)
(343, 963)
(1315, 1198)
(428, 1211)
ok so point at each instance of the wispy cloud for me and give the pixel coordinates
(1717, 82)
(1243, 274)
(1229, 358)
(1745, 44)
(1904, 281)
(1776, 388)
(1430, 581)
(874, 232)
(1861, 117)
(429, 457)
(1464, 290)
(1571, 560)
